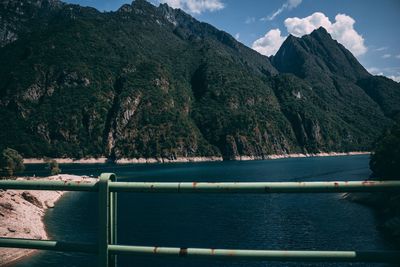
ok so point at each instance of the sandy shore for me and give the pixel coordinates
(22, 212)
(191, 159)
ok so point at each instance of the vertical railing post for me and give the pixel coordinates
(113, 222)
(104, 218)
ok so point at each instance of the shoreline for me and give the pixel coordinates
(22, 213)
(302, 155)
(385, 205)
(122, 161)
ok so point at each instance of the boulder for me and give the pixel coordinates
(31, 199)
(49, 204)
(7, 206)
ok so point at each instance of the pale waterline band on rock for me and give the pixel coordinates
(102, 160)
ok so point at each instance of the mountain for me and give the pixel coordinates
(319, 59)
(317, 54)
(350, 104)
(148, 81)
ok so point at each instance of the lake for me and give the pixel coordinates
(276, 221)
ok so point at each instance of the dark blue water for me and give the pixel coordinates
(277, 221)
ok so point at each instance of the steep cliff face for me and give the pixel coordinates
(148, 81)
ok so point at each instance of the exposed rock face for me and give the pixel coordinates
(96, 89)
(31, 199)
(127, 109)
(7, 35)
(118, 131)
(33, 93)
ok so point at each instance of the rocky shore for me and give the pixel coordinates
(22, 212)
(101, 160)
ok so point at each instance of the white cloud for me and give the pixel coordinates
(342, 30)
(293, 3)
(395, 78)
(270, 43)
(301, 26)
(237, 36)
(250, 20)
(386, 56)
(397, 56)
(290, 4)
(381, 48)
(376, 71)
(195, 6)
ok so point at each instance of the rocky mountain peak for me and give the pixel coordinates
(321, 31)
(125, 8)
(141, 4)
(317, 53)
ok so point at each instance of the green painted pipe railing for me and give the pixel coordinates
(195, 187)
(107, 248)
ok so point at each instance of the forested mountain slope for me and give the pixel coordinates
(148, 81)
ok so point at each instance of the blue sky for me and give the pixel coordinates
(368, 28)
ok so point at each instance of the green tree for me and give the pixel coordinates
(11, 162)
(54, 167)
(385, 161)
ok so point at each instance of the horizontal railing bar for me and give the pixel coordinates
(90, 186)
(262, 255)
(256, 187)
(195, 187)
(47, 245)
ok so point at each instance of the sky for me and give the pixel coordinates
(368, 28)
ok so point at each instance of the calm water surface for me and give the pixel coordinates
(277, 221)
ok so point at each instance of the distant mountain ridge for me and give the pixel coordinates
(154, 82)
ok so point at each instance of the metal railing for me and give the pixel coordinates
(107, 248)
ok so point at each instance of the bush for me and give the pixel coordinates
(53, 167)
(11, 162)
